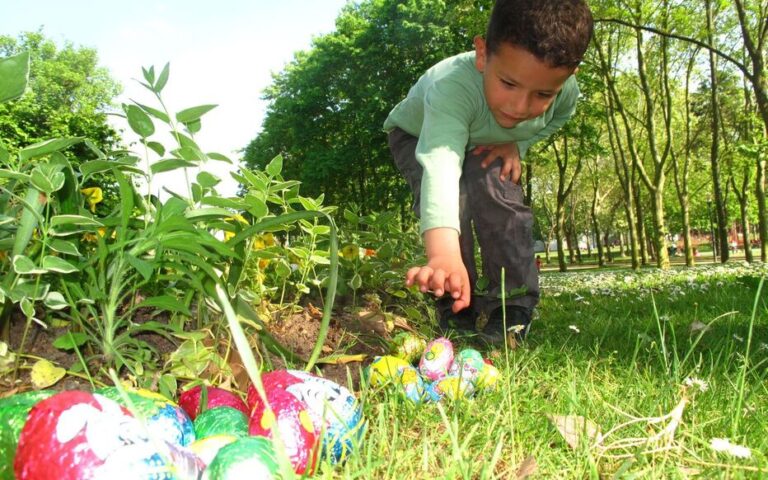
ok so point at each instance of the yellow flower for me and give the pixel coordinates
(350, 252)
(258, 243)
(90, 237)
(93, 195)
(269, 239)
(263, 263)
(238, 218)
(228, 235)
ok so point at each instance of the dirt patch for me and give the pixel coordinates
(355, 336)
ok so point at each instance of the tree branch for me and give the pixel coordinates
(683, 38)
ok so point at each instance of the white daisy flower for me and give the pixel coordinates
(724, 445)
(697, 383)
(574, 328)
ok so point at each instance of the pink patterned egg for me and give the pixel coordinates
(334, 410)
(290, 417)
(437, 359)
(217, 397)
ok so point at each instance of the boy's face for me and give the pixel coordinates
(517, 85)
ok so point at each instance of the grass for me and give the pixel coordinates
(661, 362)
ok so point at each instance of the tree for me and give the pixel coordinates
(327, 107)
(68, 96)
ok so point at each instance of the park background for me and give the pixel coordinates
(656, 186)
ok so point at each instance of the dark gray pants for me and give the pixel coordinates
(502, 223)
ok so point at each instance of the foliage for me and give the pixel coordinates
(108, 273)
(327, 107)
(69, 96)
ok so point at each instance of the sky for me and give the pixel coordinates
(221, 52)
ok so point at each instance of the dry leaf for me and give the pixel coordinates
(44, 374)
(527, 468)
(698, 326)
(326, 349)
(575, 428)
(314, 312)
(402, 323)
(342, 359)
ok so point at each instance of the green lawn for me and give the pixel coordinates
(663, 363)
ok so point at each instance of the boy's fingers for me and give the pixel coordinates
(422, 278)
(487, 160)
(438, 282)
(411, 275)
(517, 171)
(453, 285)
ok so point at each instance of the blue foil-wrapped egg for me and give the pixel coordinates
(412, 384)
(164, 419)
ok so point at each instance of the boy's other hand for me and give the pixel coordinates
(510, 159)
(444, 271)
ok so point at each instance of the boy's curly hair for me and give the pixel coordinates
(555, 31)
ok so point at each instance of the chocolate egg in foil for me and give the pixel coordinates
(334, 410)
(437, 359)
(245, 458)
(386, 369)
(221, 421)
(467, 364)
(408, 346)
(488, 378)
(207, 448)
(79, 435)
(453, 387)
(164, 419)
(217, 397)
(13, 416)
(412, 384)
(289, 416)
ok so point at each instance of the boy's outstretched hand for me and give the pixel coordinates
(510, 159)
(444, 271)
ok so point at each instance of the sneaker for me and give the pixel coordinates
(464, 320)
(518, 322)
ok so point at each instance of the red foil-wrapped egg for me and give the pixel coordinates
(217, 397)
(280, 379)
(77, 435)
(291, 418)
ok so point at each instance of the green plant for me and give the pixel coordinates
(103, 272)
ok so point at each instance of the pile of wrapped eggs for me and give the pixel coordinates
(211, 434)
(440, 373)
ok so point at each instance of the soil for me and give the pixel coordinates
(355, 336)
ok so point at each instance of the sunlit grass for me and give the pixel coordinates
(628, 352)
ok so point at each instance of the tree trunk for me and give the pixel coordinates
(721, 219)
(760, 197)
(528, 198)
(559, 234)
(642, 240)
(622, 165)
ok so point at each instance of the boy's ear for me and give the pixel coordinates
(480, 53)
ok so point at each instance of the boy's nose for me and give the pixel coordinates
(518, 105)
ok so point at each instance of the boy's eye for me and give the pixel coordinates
(507, 83)
(546, 95)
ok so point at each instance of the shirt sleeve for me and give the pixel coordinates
(442, 143)
(563, 109)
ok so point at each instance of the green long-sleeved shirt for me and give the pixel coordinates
(447, 110)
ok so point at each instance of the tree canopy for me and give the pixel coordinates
(68, 95)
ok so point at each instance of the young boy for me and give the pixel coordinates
(458, 138)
